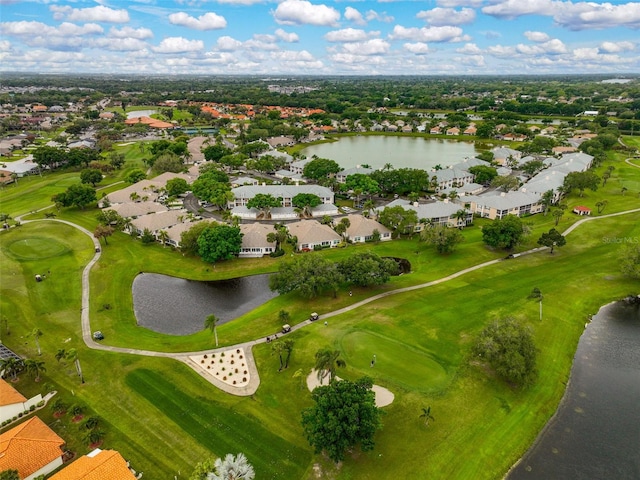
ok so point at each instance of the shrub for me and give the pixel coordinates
(277, 253)
(32, 408)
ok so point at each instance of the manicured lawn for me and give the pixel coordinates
(164, 418)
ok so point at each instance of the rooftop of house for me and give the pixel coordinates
(97, 465)
(29, 447)
(9, 395)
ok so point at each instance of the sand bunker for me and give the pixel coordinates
(384, 397)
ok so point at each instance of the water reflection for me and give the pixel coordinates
(179, 307)
(596, 432)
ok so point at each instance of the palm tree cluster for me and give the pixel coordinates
(327, 362)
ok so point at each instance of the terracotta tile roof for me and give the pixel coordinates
(9, 395)
(29, 447)
(98, 465)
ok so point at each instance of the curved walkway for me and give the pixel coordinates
(254, 380)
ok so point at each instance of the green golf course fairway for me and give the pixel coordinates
(36, 248)
(409, 366)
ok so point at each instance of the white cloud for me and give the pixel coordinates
(574, 16)
(501, 51)
(349, 35)
(128, 32)
(228, 44)
(119, 44)
(552, 47)
(30, 29)
(207, 21)
(302, 12)
(418, 48)
(447, 16)
(294, 56)
(469, 49)
(99, 13)
(617, 47)
(590, 15)
(5, 45)
(286, 36)
(374, 46)
(460, 3)
(536, 36)
(380, 17)
(349, 58)
(178, 45)
(471, 60)
(429, 34)
(354, 16)
(240, 2)
(510, 9)
(261, 42)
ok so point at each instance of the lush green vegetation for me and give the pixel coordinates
(422, 340)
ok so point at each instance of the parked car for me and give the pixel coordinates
(286, 328)
(97, 335)
(314, 316)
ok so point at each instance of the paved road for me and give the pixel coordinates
(254, 377)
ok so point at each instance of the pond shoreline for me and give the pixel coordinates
(564, 447)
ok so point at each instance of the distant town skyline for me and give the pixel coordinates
(301, 37)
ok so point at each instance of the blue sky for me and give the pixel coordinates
(320, 37)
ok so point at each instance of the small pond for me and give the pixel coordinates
(179, 307)
(595, 434)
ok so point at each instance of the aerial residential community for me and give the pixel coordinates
(332, 242)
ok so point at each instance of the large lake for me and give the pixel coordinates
(595, 434)
(179, 307)
(401, 152)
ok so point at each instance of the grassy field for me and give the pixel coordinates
(421, 340)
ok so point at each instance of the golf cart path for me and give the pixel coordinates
(254, 381)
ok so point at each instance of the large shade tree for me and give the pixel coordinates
(320, 168)
(444, 238)
(309, 275)
(344, 415)
(264, 202)
(552, 239)
(78, 195)
(506, 232)
(508, 347)
(366, 268)
(219, 242)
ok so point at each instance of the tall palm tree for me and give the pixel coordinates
(35, 368)
(277, 348)
(426, 414)
(460, 216)
(163, 236)
(367, 206)
(72, 355)
(36, 333)
(601, 205)
(557, 214)
(537, 295)
(287, 346)
(10, 367)
(211, 322)
(387, 166)
(60, 354)
(232, 468)
(327, 362)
